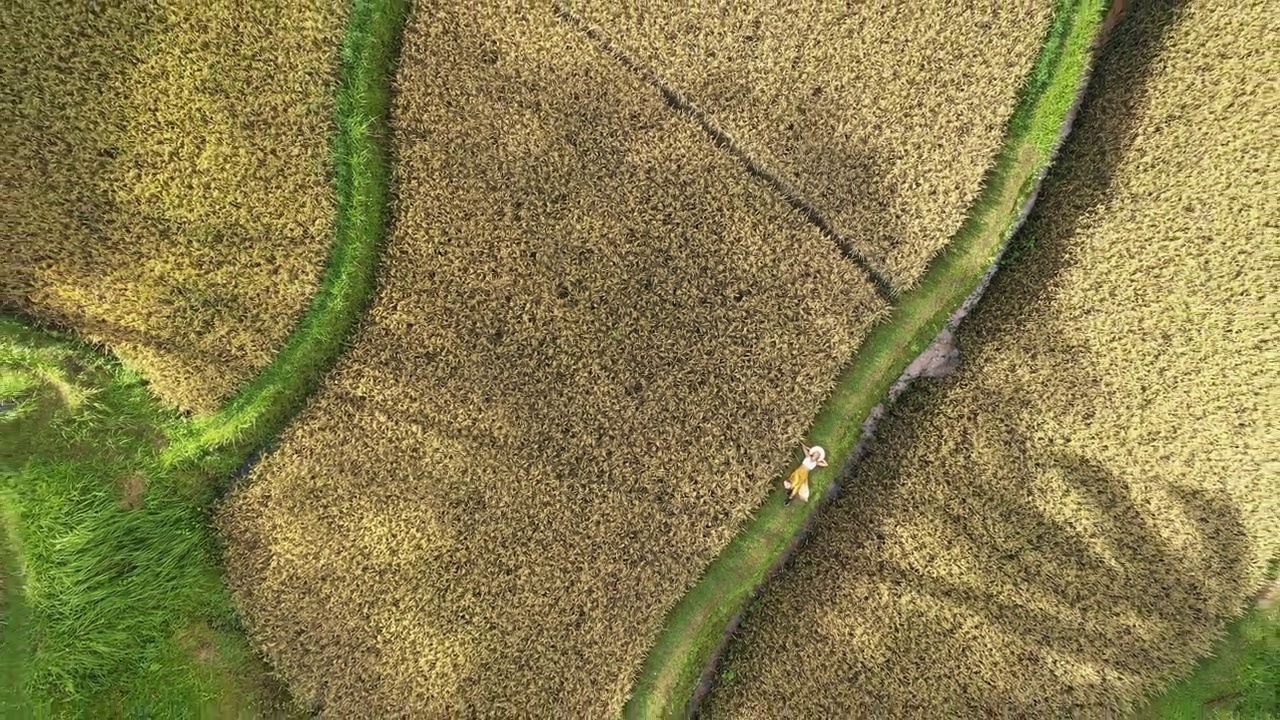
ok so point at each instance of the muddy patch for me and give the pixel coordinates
(199, 641)
(940, 359)
(132, 489)
(205, 652)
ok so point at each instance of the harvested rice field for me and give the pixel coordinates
(1070, 521)
(166, 178)
(598, 339)
(881, 118)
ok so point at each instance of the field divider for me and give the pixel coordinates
(257, 413)
(681, 667)
(723, 140)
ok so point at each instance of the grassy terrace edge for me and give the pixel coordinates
(362, 168)
(679, 669)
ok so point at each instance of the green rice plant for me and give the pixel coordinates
(1238, 680)
(14, 642)
(31, 379)
(16, 389)
(15, 383)
(109, 565)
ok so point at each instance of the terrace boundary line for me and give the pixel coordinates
(722, 139)
(681, 667)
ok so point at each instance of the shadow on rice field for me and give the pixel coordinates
(959, 636)
(112, 590)
(1041, 542)
(680, 668)
(166, 179)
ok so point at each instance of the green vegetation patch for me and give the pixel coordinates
(1069, 522)
(111, 566)
(1238, 681)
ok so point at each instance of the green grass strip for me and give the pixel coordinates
(13, 623)
(98, 590)
(260, 410)
(696, 628)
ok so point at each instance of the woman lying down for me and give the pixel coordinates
(797, 484)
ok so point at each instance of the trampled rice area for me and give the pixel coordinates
(166, 178)
(882, 116)
(1067, 524)
(598, 340)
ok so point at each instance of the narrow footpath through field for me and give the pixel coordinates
(1069, 521)
(680, 669)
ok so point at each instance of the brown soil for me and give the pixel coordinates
(132, 487)
(1117, 11)
(205, 653)
(939, 360)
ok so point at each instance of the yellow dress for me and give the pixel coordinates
(798, 483)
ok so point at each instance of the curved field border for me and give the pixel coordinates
(362, 169)
(680, 668)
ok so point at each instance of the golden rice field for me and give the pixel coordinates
(881, 116)
(1068, 523)
(597, 341)
(165, 178)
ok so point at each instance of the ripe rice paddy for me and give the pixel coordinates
(166, 178)
(597, 339)
(631, 256)
(880, 118)
(1069, 522)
